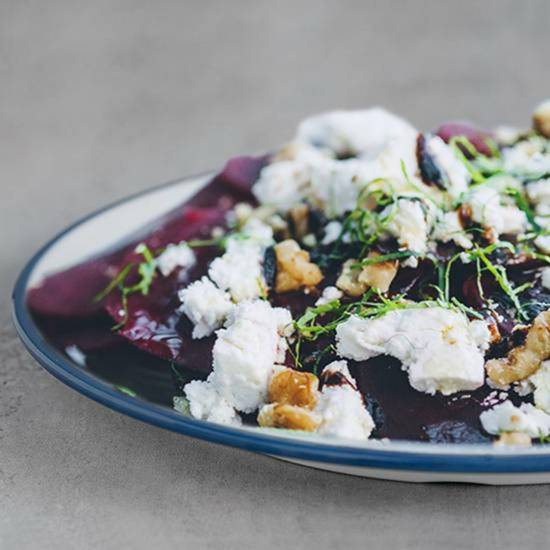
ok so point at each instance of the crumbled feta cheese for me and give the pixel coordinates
(335, 184)
(341, 407)
(258, 232)
(332, 232)
(506, 135)
(545, 277)
(541, 384)
(449, 228)
(330, 293)
(453, 172)
(205, 403)
(175, 255)
(408, 224)
(505, 417)
(538, 193)
(543, 243)
(206, 306)
(353, 132)
(527, 158)
(246, 351)
(481, 334)
(487, 210)
(398, 151)
(239, 270)
(440, 348)
(283, 184)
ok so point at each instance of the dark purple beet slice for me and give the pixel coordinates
(240, 173)
(71, 293)
(410, 414)
(89, 335)
(153, 322)
(476, 136)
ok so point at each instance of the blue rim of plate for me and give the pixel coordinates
(405, 456)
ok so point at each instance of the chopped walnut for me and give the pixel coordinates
(524, 360)
(348, 281)
(355, 280)
(292, 387)
(516, 439)
(379, 275)
(541, 119)
(298, 217)
(290, 417)
(294, 270)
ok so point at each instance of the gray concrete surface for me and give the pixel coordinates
(100, 99)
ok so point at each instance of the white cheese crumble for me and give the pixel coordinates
(506, 417)
(527, 158)
(454, 174)
(244, 356)
(335, 185)
(545, 277)
(282, 184)
(239, 270)
(364, 132)
(441, 349)
(330, 293)
(488, 211)
(332, 232)
(408, 223)
(540, 381)
(174, 256)
(205, 403)
(341, 407)
(449, 228)
(538, 193)
(205, 305)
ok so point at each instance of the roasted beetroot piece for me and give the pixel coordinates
(153, 321)
(404, 413)
(476, 136)
(71, 293)
(154, 324)
(240, 173)
(88, 335)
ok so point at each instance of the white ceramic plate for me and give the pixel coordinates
(403, 461)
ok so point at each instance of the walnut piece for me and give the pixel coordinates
(379, 275)
(516, 439)
(356, 280)
(290, 417)
(348, 281)
(298, 217)
(292, 387)
(524, 360)
(294, 270)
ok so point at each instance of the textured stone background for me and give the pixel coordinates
(101, 99)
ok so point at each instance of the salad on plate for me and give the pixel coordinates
(365, 281)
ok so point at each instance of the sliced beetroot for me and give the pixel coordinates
(240, 173)
(476, 136)
(70, 293)
(88, 335)
(154, 324)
